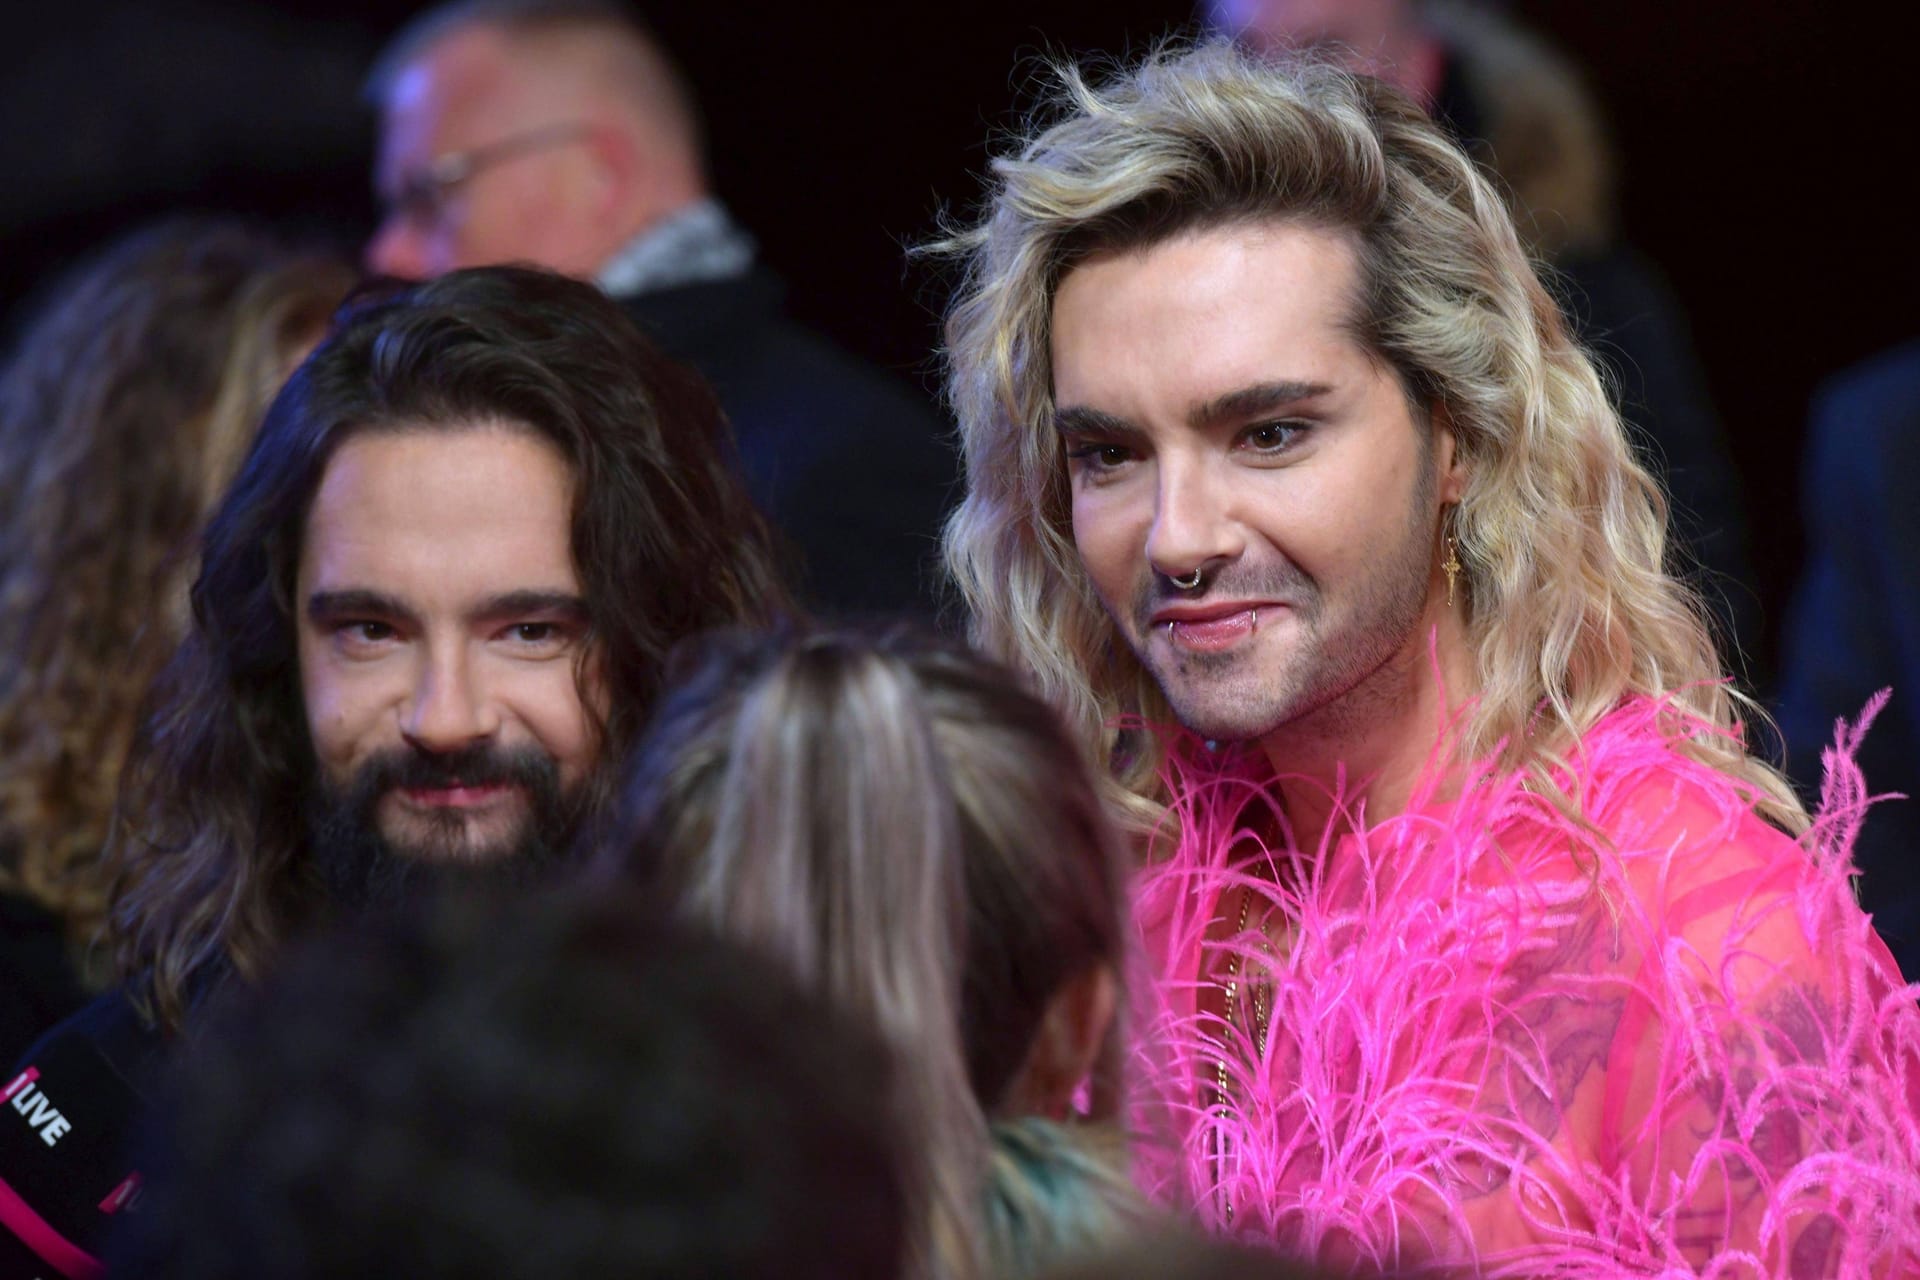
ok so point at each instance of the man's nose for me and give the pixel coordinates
(1193, 528)
(449, 710)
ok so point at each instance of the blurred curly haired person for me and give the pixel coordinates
(124, 411)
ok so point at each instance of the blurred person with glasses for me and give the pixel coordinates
(559, 132)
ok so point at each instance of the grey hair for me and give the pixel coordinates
(651, 75)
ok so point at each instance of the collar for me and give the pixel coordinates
(697, 244)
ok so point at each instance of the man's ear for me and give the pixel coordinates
(1453, 469)
(618, 166)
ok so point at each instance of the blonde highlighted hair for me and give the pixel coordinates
(1562, 534)
(908, 831)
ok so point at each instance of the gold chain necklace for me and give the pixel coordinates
(1261, 999)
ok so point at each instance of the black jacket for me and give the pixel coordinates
(851, 466)
(1854, 627)
(38, 985)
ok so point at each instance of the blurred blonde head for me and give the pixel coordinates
(124, 411)
(1562, 534)
(911, 833)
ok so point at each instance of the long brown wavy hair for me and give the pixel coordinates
(123, 412)
(212, 852)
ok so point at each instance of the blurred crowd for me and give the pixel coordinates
(519, 757)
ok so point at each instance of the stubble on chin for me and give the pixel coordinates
(1324, 672)
(1245, 692)
(1227, 697)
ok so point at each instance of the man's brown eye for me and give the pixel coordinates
(1272, 435)
(1100, 455)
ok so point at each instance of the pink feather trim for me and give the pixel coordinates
(1500, 1048)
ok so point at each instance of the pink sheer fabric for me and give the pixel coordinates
(1504, 1044)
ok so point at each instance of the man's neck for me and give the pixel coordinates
(1367, 750)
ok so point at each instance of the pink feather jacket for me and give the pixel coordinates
(1477, 1040)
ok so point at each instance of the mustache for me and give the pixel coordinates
(1279, 580)
(357, 869)
(481, 765)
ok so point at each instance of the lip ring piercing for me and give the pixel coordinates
(1253, 622)
(1187, 582)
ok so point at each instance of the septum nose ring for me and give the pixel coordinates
(1187, 582)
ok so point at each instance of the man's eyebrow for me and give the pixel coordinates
(1249, 402)
(524, 604)
(1082, 420)
(333, 606)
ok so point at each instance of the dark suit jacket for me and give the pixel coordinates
(1855, 623)
(850, 465)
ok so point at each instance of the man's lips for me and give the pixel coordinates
(1211, 627)
(459, 796)
(1210, 612)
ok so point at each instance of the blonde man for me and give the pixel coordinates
(1482, 940)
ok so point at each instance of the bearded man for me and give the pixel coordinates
(433, 612)
(1482, 940)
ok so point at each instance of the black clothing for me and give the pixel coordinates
(1854, 626)
(38, 986)
(850, 466)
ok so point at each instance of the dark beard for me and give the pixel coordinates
(361, 871)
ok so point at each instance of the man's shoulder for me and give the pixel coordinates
(738, 334)
(1897, 369)
(40, 984)
(1672, 819)
(113, 1028)
(1880, 392)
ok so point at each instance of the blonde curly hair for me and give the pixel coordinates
(123, 411)
(1570, 607)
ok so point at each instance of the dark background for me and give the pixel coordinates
(1763, 152)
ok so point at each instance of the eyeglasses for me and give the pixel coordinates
(422, 197)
